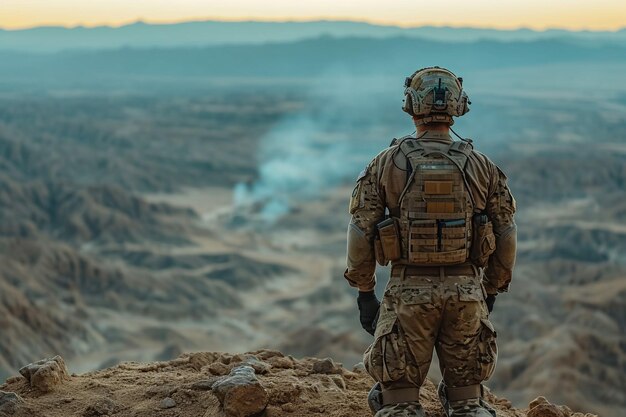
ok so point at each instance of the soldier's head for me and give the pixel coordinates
(433, 96)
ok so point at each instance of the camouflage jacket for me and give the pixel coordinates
(379, 187)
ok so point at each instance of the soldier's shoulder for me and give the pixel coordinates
(376, 164)
(383, 159)
(486, 162)
(482, 158)
(395, 142)
(387, 153)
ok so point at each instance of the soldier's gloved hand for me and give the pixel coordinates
(368, 310)
(490, 300)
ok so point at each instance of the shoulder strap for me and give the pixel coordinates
(396, 141)
(463, 147)
(413, 150)
(458, 153)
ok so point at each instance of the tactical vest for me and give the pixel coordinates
(436, 206)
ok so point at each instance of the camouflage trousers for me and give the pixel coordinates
(420, 313)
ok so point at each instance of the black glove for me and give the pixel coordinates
(490, 300)
(368, 310)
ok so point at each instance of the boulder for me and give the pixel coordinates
(167, 402)
(9, 402)
(240, 393)
(46, 374)
(101, 407)
(540, 407)
(326, 366)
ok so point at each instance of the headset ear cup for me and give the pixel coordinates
(461, 105)
(407, 105)
(464, 104)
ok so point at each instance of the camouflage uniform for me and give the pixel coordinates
(430, 307)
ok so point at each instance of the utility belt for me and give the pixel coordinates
(435, 271)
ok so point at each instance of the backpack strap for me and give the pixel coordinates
(413, 150)
(458, 153)
(396, 141)
(462, 146)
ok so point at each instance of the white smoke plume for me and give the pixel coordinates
(328, 143)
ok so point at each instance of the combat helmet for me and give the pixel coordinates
(434, 94)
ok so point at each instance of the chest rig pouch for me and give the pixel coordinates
(436, 206)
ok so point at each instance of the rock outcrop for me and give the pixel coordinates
(46, 374)
(540, 407)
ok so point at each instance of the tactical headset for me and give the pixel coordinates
(429, 99)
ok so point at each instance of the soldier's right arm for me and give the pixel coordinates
(367, 208)
(500, 210)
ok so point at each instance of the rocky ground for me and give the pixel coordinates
(262, 383)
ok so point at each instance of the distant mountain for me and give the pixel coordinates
(204, 33)
(314, 57)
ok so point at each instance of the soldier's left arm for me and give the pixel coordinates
(367, 208)
(501, 208)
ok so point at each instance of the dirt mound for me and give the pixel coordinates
(194, 384)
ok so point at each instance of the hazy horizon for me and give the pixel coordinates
(156, 22)
(534, 14)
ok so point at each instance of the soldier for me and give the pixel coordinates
(442, 214)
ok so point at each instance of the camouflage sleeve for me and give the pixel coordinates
(367, 209)
(501, 209)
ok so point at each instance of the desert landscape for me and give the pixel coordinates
(194, 212)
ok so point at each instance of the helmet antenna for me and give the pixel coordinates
(440, 97)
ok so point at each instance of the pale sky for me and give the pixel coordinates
(536, 14)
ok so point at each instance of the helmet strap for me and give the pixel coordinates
(433, 118)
